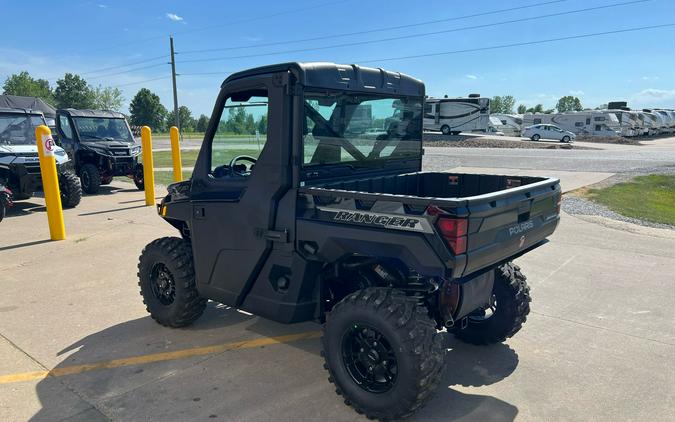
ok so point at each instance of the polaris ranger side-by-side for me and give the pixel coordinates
(101, 146)
(335, 222)
(19, 163)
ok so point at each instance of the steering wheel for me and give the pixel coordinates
(247, 170)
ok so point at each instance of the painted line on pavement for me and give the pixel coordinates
(156, 357)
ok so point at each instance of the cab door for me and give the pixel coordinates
(241, 173)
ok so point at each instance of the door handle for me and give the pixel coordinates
(276, 236)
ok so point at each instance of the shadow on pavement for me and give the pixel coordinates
(23, 245)
(465, 365)
(21, 208)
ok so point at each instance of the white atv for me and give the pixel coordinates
(19, 163)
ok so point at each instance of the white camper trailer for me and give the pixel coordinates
(511, 124)
(668, 123)
(649, 126)
(629, 124)
(455, 115)
(583, 123)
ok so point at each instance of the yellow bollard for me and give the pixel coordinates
(50, 182)
(148, 167)
(175, 154)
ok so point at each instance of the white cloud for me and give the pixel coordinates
(650, 78)
(577, 93)
(174, 17)
(653, 97)
(102, 6)
(472, 76)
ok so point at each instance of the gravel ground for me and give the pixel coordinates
(468, 142)
(577, 205)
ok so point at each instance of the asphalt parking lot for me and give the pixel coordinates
(77, 344)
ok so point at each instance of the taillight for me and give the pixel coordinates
(558, 204)
(454, 232)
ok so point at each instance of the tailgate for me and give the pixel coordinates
(504, 224)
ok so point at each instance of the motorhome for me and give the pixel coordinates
(583, 123)
(454, 115)
(649, 125)
(661, 122)
(629, 123)
(511, 124)
(668, 120)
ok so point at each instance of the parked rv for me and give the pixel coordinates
(584, 123)
(511, 124)
(454, 115)
(629, 124)
(665, 120)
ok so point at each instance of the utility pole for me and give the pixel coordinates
(173, 78)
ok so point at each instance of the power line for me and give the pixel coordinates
(496, 47)
(141, 82)
(128, 71)
(370, 31)
(418, 35)
(163, 56)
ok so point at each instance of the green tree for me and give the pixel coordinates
(496, 104)
(147, 110)
(73, 91)
(108, 98)
(202, 123)
(23, 84)
(569, 103)
(539, 108)
(187, 123)
(522, 109)
(508, 102)
(262, 124)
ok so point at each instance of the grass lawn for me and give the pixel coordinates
(189, 157)
(650, 198)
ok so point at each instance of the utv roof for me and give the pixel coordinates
(105, 114)
(350, 77)
(7, 110)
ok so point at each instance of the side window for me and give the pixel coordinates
(242, 132)
(588, 120)
(578, 124)
(66, 130)
(537, 121)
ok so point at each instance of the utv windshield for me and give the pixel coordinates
(361, 130)
(97, 128)
(18, 129)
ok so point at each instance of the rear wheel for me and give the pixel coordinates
(382, 352)
(166, 278)
(507, 312)
(445, 129)
(70, 188)
(90, 178)
(536, 137)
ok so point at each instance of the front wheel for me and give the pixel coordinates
(70, 188)
(566, 139)
(138, 177)
(445, 129)
(382, 352)
(506, 313)
(166, 277)
(90, 178)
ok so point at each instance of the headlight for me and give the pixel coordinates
(135, 150)
(60, 152)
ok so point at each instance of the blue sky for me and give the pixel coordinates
(87, 37)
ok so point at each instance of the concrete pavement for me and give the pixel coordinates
(598, 344)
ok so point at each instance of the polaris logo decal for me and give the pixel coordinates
(388, 221)
(520, 228)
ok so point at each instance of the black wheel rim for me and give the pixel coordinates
(163, 286)
(486, 313)
(369, 358)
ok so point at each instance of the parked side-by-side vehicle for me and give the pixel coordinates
(101, 146)
(335, 222)
(20, 173)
